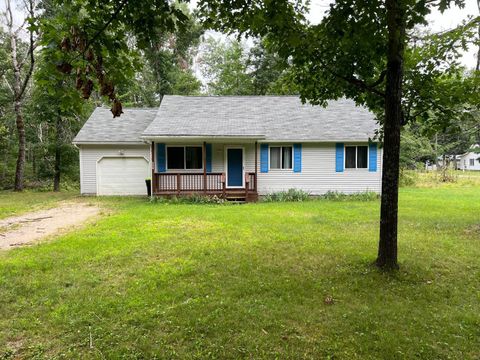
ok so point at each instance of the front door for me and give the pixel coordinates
(234, 167)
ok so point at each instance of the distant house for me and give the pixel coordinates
(234, 146)
(470, 160)
(467, 161)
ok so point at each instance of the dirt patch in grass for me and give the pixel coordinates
(32, 227)
(473, 230)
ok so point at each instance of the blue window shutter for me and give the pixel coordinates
(339, 154)
(297, 157)
(208, 151)
(161, 158)
(372, 157)
(264, 158)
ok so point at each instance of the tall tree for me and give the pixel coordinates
(97, 42)
(231, 68)
(224, 66)
(477, 67)
(22, 68)
(397, 26)
(270, 73)
(357, 51)
(166, 65)
(170, 55)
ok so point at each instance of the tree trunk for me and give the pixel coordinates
(19, 86)
(20, 169)
(387, 249)
(56, 176)
(477, 67)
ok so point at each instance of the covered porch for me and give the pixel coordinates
(214, 168)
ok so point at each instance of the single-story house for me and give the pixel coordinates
(231, 146)
(470, 160)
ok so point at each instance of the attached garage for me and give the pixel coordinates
(122, 176)
(114, 160)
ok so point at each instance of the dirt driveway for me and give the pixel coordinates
(31, 227)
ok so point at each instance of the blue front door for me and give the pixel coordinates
(235, 167)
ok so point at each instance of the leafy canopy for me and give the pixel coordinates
(97, 41)
(346, 54)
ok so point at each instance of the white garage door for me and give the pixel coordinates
(122, 176)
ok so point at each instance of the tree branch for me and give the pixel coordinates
(380, 78)
(355, 81)
(477, 67)
(30, 51)
(358, 83)
(8, 84)
(27, 55)
(105, 26)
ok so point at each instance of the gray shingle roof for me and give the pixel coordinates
(101, 127)
(263, 117)
(269, 117)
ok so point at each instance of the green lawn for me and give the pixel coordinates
(249, 281)
(18, 203)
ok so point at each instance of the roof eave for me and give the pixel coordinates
(108, 142)
(202, 137)
(362, 140)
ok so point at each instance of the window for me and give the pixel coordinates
(356, 157)
(184, 157)
(193, 157)
(281, 157)
(472, 162)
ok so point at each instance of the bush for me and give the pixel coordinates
(190, 199)
(408, 177)
(289, 195)
(433, 178)
(361, 196)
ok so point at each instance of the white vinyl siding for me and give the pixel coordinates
(470, 161)
(318, 174)
(91, 154)
(318, 171)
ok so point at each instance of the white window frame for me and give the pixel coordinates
(281, 158)
(356, 157)
(471, 162)
(184, 157)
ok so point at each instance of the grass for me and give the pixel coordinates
(431, 179)
(18, 203)
(152, 280)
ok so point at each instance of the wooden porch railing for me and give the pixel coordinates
(209, 184)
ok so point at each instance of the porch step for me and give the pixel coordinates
(235, 197)
(234, 201)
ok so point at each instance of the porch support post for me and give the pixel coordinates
(256, 166)
(204, 154)
(152, 181)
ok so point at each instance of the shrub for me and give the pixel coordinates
(189, 199)
(361, 196)
(408, 178)
(289, 195)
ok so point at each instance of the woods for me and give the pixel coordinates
(49, 87)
